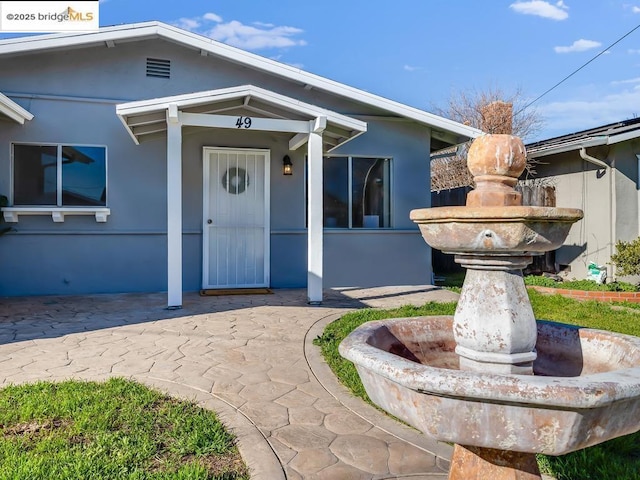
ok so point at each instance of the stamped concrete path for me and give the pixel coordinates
(250, 358)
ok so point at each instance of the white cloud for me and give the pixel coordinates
(411, 68)
(623, 82)
(542, 9)
(635, 9)
(212, 16)
(575, 115)
(187, 23)
(633, 51)
(249, 37)
(581, 45)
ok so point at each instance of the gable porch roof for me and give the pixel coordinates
(147, 118)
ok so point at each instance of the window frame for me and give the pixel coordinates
(350, 159)
(58, 211)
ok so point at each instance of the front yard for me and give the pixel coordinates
(617, 459)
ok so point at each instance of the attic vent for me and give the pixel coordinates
(158, 68)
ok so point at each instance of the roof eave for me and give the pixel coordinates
(157, 29)
(567, 147)
(14, 111)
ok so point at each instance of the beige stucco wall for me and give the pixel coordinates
(608, 197)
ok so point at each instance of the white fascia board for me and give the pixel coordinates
(203, 44)
(14, 111)
(130, 32)
(623, 137)
(568, 147)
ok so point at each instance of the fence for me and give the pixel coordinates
(532, 195)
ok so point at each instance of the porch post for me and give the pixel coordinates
(174, 208)
(315, 212)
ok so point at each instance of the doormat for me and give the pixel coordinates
(234, 291)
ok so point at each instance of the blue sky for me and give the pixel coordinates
(419, 52)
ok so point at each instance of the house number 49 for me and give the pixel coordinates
(243, 122)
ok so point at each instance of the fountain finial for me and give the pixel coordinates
(496, 161)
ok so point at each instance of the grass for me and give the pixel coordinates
(589, 285)
(115, 429)
(618, 459)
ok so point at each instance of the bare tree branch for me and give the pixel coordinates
(471, 108)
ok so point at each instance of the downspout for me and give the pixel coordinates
(590, 159)
(612, 197)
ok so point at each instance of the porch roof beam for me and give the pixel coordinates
(255, 123)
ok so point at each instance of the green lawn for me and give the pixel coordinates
(617, 459)
(118, 429)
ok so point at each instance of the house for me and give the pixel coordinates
(597, 171)
(144, 157)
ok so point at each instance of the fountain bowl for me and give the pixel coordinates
(505, 229)
(585, 388)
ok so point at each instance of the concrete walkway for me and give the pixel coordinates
(250, 358)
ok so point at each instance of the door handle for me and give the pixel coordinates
(209, 221)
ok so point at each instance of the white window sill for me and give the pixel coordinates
(11, 214)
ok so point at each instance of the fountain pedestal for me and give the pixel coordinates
(488, 463)
(494, 326)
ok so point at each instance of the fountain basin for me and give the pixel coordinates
(585, 388)
(507, 229)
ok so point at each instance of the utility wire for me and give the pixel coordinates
(577, 70)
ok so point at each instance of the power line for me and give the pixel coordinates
(577, 70)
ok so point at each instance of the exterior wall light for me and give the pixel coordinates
(287, 166)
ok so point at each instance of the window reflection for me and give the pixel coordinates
(83, 176)
(59, 175)
(356, 192)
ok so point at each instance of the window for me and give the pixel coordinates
(59, 175)
(356, 192)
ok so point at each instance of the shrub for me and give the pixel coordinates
(627, 257)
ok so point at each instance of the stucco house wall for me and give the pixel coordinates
(73, 94)
(608, 197)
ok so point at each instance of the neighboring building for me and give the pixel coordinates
(597, 171)
(146, 158)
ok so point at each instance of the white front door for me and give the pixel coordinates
(236, 218)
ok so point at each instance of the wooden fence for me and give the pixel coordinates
(532, 195)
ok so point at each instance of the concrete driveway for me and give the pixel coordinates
(250, 358)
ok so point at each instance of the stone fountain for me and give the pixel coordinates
(493, 381)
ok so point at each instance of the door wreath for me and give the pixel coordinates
(235, 180)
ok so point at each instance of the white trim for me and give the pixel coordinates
(12, 214)
(206, 189)
(230, 121)
(315, 218)
(174, 215)
(150, 30)
(297, 141)
(567, 147)
(621, 137)
(14, 111)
